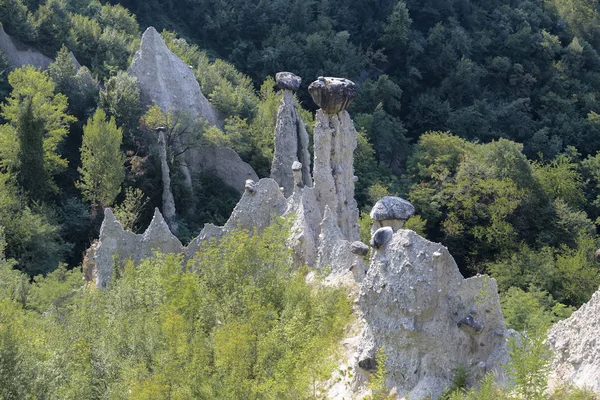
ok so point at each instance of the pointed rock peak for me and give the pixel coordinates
(158, 223)
(109, 217)
(110, 225)
(151, 37)
(165, 80)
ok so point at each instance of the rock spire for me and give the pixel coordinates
(291, 137)
(335, 141)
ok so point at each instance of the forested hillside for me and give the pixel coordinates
(484, 114)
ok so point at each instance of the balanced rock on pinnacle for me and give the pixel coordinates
(333, 95)
(391, 211)
(335, 141)
(291, 138)
(288, 81)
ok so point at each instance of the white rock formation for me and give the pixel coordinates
(304, 238)
(115, 242)
(168, 202)
(391, 212)
(256, 210)
(411, 299)
(291, 137)
(165, 80)
(576, 346)
(428, 318)
(19, 54)
(335, 141)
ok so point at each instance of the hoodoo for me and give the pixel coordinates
(335, 141)
(291, 137)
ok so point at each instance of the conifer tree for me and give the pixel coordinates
(32, 176)
(102, 171)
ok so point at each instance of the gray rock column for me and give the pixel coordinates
(335, 141)
(167, 195)
(291, 137)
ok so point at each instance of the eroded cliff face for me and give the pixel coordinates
(334, 171)
(335, 141)
(115, 243)
(428, 319)
(19, 54)
(576, 347)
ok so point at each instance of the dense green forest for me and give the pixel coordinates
(484, 114)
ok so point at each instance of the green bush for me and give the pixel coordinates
(238, 321)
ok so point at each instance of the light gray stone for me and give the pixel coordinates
(335, 141)
(114, 241)
(576, 347)
(304, 236)
(254, 212)
(168, 202)
(19, 54)
(334, 251)
(165, 80)
(259, 209)
(381, 237)
(390, 207)
(291, 146)
(412, 301)
(359, 248)
(224, 163)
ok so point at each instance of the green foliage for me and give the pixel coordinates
(561, 180)
(459, 383)
(31, 174)
(52, 23)
(396, 29)
(49, 293)
(364, 223)
(528, 370)
(572, 393)
(241, 323)
(34, 113)
(529, 365)
(4, 71)
(120, 98)
(102, 170)
(128, 212)
(527, 311)
(17, 20)
(104, 40)
(379, 390)
(78, 85)
(417, 224)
